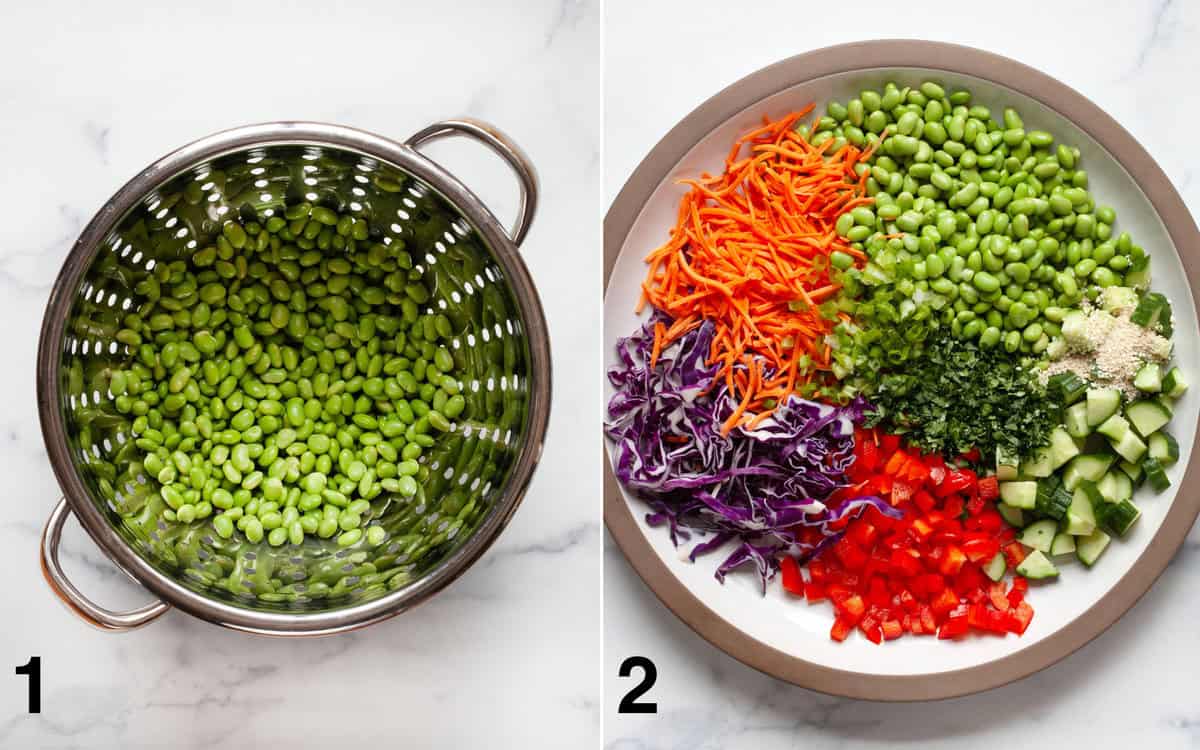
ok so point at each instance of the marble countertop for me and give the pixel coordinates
(506, 657)
(1135, 685)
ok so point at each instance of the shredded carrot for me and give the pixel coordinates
(750, 252)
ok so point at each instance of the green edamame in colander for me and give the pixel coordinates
(285, 378)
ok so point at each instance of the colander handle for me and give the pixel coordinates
(92, 613)
(497, 141)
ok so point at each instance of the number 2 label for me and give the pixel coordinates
(630, 704)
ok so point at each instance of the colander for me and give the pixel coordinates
(478, 472)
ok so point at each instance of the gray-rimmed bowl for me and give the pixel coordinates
(790, 642)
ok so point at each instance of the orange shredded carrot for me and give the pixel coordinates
(750, 252)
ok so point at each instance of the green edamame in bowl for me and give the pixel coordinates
(294, 379)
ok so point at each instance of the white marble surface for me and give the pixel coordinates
(1136, 684)
(89, 94)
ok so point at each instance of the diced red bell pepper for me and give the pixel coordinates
(1014, 552)
(923, 500)
(972, 456)
(877, 593)
(975, 506)
(892, 629)
(1016, 594)
(928, 620)
(902, 491)
(793, 581)
(906, 561)
(997, 622)
(882, 484)
(945, 602)
(953, 627)
(838, 593)
(916, 471)
(989, 488)
(933, 462)
(959, 480)
(816, 570)
(850, 554)
(929, 585)
(953, 507)
(814, 592)
(986, 520)
(1019, 618)
(895, 463)
(841, 629)
(889, 444)
(952, 561)
(853, 608)
(980, 550)
(862, 533)
(866, 452)
(921, 529)
(970, 579)
(998, 597)
(977, 616)
(870, 628)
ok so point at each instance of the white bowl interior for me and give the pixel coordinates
(793, 626)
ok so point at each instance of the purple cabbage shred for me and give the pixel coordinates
(756, 487)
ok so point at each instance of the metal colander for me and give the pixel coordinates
(477, 472)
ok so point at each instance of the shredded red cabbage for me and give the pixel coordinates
(758, 486)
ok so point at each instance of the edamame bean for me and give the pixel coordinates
(271, 379)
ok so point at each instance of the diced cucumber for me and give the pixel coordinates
(1163, 448)
(1089, 466)
(1133, 471)
(1067, 387)
(1102, 403)
(1149, 378)
(1115, 486)
(1039, 534)
(1156, 476)
(1117, 518)
(1174, 384)
(1062, 447)
(1114, 428)
(1091, 491)
(1113, 299)
(1019, 494)
(1038, 467)
(1063, 544)
(1089, 548)
(1074, 331)
(1123, 486)
(1138, 275)
(1130, 447)
(996, 567)
(1107, 486)
(1147, 416)
(1052, 498)
(1006, 465)
(1075, 419)
(1153, 312)
(1081, 518)
(1013, 516)
(1037, 566)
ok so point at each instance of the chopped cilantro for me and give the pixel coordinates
(955, 396)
